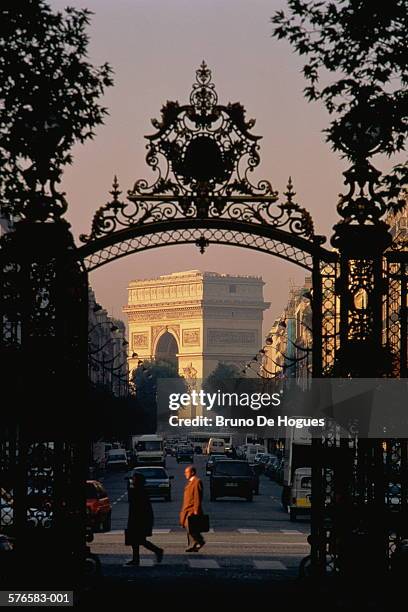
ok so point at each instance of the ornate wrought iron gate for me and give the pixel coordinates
(203, 154)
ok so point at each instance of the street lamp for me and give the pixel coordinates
(113, 328)
(112, 370)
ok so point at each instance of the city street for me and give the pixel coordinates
(246, 538)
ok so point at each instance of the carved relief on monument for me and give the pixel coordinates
(157, 330)
(229, 313)
(159, 315)
(191, 337)
(140, 340)
(190, 372)
(218, 337)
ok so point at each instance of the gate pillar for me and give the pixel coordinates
(359, 537)
(43, 349)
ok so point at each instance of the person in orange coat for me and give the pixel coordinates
(192, 504)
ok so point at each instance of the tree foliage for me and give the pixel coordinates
(150, 371)
(48, 101)
(356, 65)
(224, 378)
(154, 380)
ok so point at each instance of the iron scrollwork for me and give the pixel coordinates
(202, 153)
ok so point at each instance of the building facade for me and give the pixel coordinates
(107, 349)
(195, 320)
(288, 344)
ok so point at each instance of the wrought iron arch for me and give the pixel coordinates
(202, 154)
(202, 233)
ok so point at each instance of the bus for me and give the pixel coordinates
(201, 438)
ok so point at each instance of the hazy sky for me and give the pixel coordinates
(154, 47)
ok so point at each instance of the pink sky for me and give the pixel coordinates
(154, 47)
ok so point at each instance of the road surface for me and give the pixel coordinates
(246, 538)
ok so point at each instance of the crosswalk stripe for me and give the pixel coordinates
(203, 564)
(171, 560)
(269, 565)
(242, 531)
(146, 562)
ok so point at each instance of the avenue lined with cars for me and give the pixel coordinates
(250, 530)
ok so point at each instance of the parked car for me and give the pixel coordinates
(158, 481)
(98, 506)
(263, 462)
(211, 462)
(300, 496)
(252, 450)
(231, 478)
(258, 457)
(271, 467)
(185, 454)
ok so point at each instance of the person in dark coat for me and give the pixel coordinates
(140, 521)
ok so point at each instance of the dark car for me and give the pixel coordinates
(271, 467)
(231, 478)
(211, 462)
(157, 481)
(185, 454)
(261, 460)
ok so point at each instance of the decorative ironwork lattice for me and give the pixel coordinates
(201, 238)
(396, 310)
(330, 316)
(360, 316)
(202, 154)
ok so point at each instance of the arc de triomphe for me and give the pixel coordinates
(195, 319)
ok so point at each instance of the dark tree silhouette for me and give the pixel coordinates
(48, 101)
(223, 378)
(357, 67)
(154, 380)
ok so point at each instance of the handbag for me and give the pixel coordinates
(199, 523)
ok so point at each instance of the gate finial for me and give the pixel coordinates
(203, 95)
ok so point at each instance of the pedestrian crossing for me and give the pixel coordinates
(242, 531)
(270, 565)
(203, 563)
